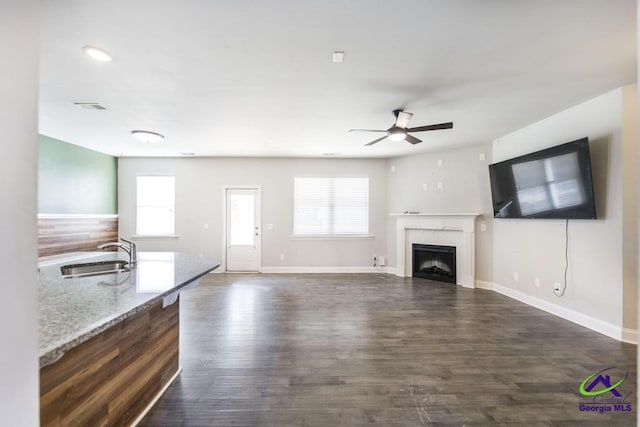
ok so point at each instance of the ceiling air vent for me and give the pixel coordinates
(89, 105)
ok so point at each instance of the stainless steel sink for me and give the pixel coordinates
(92, 268)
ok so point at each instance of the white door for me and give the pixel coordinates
(243, 229)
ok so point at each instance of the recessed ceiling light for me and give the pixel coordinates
(97, 53)
(147, 136)
(338, 56)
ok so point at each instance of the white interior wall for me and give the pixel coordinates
(630, 205)
(535, 248)
(199, 183)
(18, 254)
(413, 186)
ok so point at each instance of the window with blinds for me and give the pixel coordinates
(155, 205)
(331, 206)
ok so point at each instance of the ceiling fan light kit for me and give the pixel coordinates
(397, 135)
(400, 132)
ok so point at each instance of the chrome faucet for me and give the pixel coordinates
(127, 245)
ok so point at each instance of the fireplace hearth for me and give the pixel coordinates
(434, 262)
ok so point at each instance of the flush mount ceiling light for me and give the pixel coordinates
(147, 136)
(97, 53)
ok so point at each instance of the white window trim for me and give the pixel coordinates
(155, 236)
(330, 236)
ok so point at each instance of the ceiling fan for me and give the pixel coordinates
(399, 131)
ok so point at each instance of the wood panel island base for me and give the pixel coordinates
(112, 378)
(109, 343)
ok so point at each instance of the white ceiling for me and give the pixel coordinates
(256, 77)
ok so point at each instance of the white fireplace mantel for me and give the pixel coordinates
(460, 227)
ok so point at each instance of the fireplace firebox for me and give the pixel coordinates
(434, 262)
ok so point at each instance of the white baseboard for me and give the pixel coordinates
(390, 270)
(322, 270)
(630, 336)
(605, 328)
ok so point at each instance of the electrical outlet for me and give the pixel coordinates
(440, 163)
(269, 226)
(516, 276)
(393, 168)
(440, 185)
(206, 226)
(281, 257)
(425, 187)
(537, 282)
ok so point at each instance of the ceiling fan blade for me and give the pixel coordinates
(366, 130)
(375, 141)
(412, 139)
(403, 119)
(448, 125)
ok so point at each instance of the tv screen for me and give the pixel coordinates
(551, 183)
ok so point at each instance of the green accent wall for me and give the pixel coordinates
(75, 180)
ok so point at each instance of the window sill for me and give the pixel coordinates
(330, 236)
(155, 236)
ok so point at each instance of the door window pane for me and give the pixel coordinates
(242, 213)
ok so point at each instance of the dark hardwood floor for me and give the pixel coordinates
(354, 349)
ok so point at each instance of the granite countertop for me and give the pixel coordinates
(73, 310)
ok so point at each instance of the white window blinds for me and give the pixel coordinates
(331, 206)
(155, 205)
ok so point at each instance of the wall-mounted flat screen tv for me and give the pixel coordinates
(551, 183)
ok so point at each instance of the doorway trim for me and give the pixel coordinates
(258, 188)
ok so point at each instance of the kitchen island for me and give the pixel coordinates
(109, 343)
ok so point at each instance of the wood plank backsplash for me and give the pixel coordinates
(57, 235)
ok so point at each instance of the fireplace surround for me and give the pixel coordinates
(452, 229)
